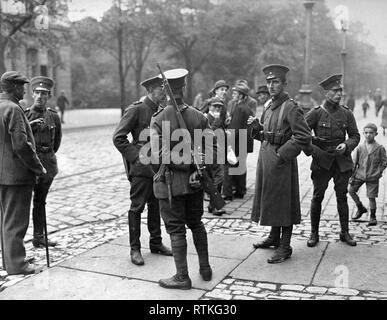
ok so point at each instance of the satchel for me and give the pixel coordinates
(231, 157)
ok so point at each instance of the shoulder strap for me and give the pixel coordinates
(281, 114)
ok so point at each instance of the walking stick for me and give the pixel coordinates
(1, 234)
(46, 237)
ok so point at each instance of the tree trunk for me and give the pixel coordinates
(121, 62)
(138, 76)
(188, 65)
(2, 56)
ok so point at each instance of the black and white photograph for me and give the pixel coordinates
(188, 155)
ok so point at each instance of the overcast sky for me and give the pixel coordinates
(372, 13)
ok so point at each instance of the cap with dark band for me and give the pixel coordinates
(332, 82)
(273, 71)
(154, 81)
(41, 83)
(14, 77)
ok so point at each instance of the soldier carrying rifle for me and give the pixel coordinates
(178, 185)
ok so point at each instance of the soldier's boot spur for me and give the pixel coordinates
(136, 257)
(346, 237)
(313, 239)
(360, 210)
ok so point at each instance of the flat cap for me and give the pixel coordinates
(14, 77)
(332, 82)
(41, 83)
(275, 71)
(154, 81)
(219, 84)
(262, 89)
(175, 77)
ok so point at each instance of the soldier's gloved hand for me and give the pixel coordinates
(253, 121)
(340, 149)
(194, 180)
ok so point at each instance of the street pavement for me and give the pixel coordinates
(87, 209)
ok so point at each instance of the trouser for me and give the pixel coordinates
(286, 236)
(141, 193)
(321, 180)
(15, 204)
(185, 210)
(39, 206)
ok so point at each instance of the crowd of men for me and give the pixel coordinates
(166, 173)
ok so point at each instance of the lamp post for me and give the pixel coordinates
(305, 98)
(342, 22)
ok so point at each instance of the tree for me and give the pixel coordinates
(22, 17)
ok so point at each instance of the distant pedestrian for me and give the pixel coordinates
(383, 104)
(369, 162)
(378, 100)
(62, 102)
(136, 121)
(19, 167)
(351, 102)
(47, 130)
(365, 107)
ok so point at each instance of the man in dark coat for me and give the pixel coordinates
(250, 101)
(219, 91)
(47, 130)
(62, 101)
(240, 113)
(284, 133)
(181, 195)
(135, 121)
(331, 123)
(263, 95)
(19, 166)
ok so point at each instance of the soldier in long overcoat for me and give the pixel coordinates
(284, 134)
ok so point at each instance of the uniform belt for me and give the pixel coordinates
(42, 149)
(275, 138)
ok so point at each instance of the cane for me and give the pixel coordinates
(1, 234)
(46, 237)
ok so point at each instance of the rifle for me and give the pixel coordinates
(46, 237)
(216, 199)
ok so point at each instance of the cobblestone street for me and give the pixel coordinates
(89, 199)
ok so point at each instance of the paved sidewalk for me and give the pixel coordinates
(92, 259)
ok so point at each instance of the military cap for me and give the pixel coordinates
(215, 101)
(242, 88)
(152, 81)
(175, 77)
(41, 83)
(262, 89)
(275, 71)
(332, 82)
(219, 84)
(14, 77)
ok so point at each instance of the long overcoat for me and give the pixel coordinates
(276, 199)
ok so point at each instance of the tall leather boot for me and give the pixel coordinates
(201, 244)
(315, 213)
(285, 250)
(134, 238)
(342, 208)
(180, 280)
(273, 240)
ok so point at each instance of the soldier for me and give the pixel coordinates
(284, 133)
(47, 131)
(331, 154)
(185, 207)
(263, 95)
(137, 118)
(19, 167)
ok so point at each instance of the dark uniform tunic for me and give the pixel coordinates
(48, 137)
(276, 199)
(135, 121)
(331, 124)
(187, 203)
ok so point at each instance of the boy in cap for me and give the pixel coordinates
(47, 130)
(19, 167)
(331, 123)
(135, 121)
(283, 133)
(369, 162)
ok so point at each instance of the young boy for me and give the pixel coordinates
(369, 162)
